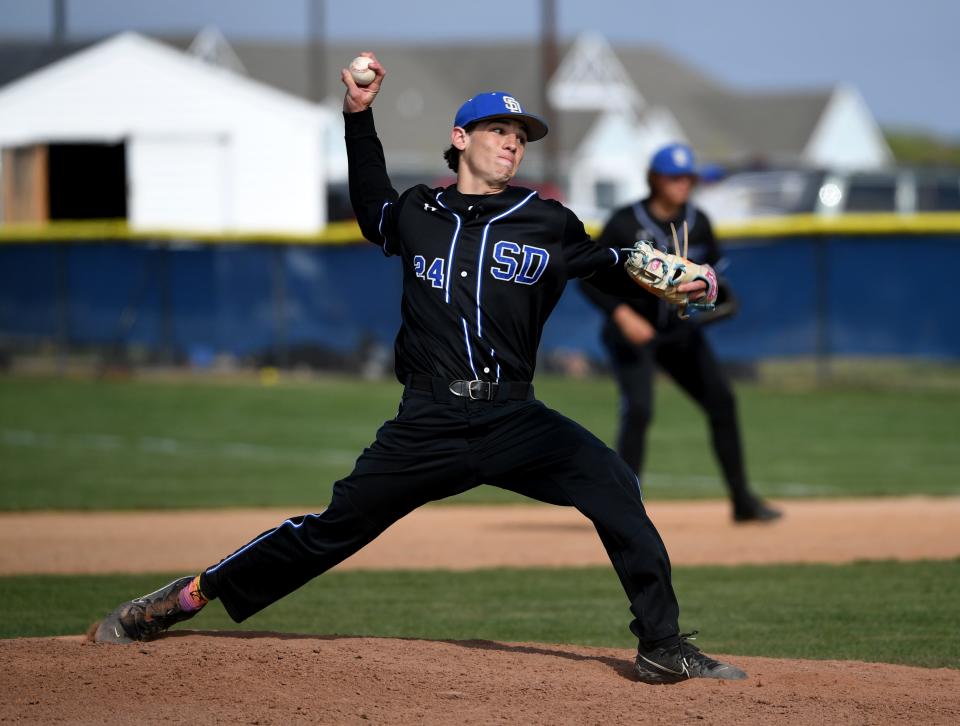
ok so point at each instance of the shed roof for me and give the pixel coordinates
(130, 82)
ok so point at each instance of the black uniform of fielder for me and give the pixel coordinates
(679, 348)
(480, 276)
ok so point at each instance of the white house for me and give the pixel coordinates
(607, 167)
(191, 146)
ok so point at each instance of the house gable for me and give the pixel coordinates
(847, 135)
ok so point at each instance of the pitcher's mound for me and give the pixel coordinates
(269, 678)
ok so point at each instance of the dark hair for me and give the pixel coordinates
(452, 157)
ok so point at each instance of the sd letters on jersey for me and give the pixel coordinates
(514, 242)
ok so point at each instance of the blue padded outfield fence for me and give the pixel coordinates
(875, 285)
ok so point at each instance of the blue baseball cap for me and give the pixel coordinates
(674, 160)
(499, 104)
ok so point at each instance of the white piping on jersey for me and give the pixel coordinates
(493, 354)
(262, 537)
(466, 340)
(383, 212)
(453, 246)
(483, 244)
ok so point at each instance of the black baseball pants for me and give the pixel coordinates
(440, 445)
(684, 353)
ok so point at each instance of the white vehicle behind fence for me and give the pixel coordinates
(747, 195)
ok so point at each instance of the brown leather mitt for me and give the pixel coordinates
(662, 273)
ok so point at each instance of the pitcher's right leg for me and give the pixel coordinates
(282, 559)
(417, 457)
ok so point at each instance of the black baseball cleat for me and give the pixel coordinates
(756, 511)
(681, 662)
(146, 617)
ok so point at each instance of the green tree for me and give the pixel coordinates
(918, 148)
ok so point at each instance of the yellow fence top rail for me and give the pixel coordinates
(335, 233)
(339, 233)
(873, 223)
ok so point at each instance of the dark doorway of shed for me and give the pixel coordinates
(88, 181)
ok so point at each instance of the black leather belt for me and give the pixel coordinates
(474, 390)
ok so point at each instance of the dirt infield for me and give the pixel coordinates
(469, 537)
(269, 679)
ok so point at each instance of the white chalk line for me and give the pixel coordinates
(167, 446)
(714, 485)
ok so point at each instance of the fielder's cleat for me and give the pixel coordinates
(146, 617)
(756, 511)
(680, 662)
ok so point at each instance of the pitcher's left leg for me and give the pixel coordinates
(556, 460)
(542, 454)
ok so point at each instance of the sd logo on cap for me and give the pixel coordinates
(498, 104)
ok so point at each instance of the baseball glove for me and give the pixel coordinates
(662, 274)
(726, 306)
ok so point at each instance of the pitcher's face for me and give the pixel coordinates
(492, 150)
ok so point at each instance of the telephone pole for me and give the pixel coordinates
(548, 65)
(316, 50)
(59, 22)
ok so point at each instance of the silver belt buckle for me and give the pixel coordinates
(471, 385)
(483, 390)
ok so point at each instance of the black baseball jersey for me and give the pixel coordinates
(481, 274)
(636, 222)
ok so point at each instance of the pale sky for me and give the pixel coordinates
(902, 56)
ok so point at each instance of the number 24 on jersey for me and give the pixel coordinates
(523, 264)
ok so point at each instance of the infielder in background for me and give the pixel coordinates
(643, 333)
(484, 264)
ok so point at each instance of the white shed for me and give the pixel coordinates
(135, 129)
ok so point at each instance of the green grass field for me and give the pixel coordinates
(887, 612)
(114, 445)
(68, 444)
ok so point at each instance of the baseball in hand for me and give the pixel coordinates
(361, 72)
